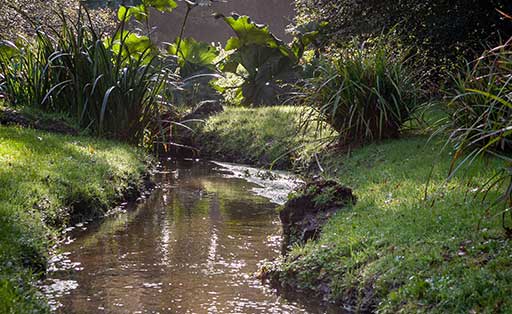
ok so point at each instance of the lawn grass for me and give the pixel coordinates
(269, 136)
(46, 181)
(393, 252)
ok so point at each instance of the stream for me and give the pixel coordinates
(192, 246)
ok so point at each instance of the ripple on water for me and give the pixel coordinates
(57, 288)
(192, 246)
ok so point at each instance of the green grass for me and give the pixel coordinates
(401, 252)
(263, 136)
(47, 180)
(393, 251)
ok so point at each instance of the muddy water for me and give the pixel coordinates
(191, 247)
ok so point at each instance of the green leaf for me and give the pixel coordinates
(306, 35)
(268, 61)
(194, 56)
(130, 45)
(249, 33)
(140, 12)
(126, 13)
(161, 5)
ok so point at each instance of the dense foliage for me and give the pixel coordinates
(480, 119)
(22, 17)
(442, 29)
(266, 61)
(480, 113)
(111, 86)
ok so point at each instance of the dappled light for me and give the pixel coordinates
(168, 156)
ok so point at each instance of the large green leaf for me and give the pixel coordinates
(161, 5)
(249, 33)
(126, 13)
(267, 60)
(308, 34)
(131, 45)
(140, 12)
(194, 56)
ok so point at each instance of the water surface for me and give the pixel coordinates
(192, 246)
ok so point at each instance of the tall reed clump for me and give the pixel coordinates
(480, 112)
(365, 92)
(480, 118)
(112, 85)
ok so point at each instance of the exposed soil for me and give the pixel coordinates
(304, 215)
(10, 116)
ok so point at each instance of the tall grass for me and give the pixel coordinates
(112, 85)
(481, 107)
(480, 119)
(366, 93)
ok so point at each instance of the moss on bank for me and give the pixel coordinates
(46, 181)
(394, 252)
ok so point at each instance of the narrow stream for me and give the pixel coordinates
(192, 246)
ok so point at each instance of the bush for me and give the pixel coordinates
(19, 17)
(365, 93)
(441, 29)
(480, 112)
(480, 118)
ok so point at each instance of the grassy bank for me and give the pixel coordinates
(46, 182)
(263, 136)
(393, 251)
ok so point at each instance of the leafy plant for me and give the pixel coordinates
(141, 11)
(366, 93)
(441, 30)
(112, 87)
(265, 61)
(194, 57)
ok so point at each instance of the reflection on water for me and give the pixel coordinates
(191, 247)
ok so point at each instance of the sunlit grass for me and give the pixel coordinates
(415, 255)
(263, 136)
(45, 179)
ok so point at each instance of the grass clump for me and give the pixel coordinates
(480, 120)
(365, 92)
(114, 86)
(394, 252)
(46, 182)
(481, 108)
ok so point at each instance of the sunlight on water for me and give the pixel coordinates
(193, 246)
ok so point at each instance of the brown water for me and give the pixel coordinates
(191, 247)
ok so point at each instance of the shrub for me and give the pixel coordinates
(365, 93)
(20, 16)
(480, 112)
(441, 29)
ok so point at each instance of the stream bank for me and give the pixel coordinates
(48, 182)
(391, 252)
(192, 247)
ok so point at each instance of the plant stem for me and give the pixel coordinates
(182, 31)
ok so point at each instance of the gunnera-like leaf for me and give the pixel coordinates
(140, 12)
(194, 56)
